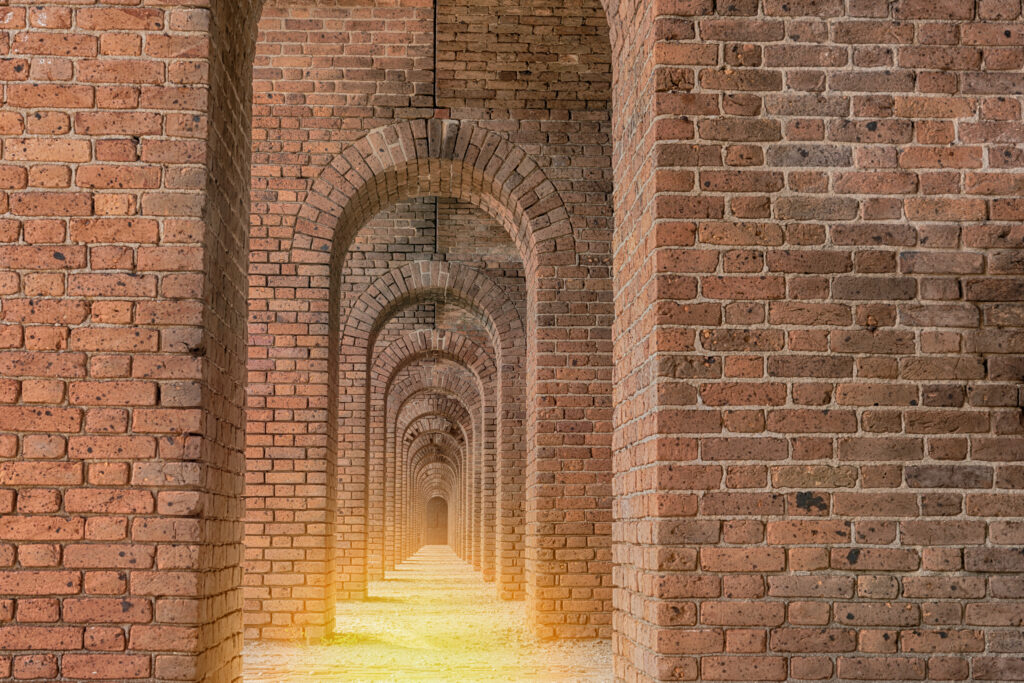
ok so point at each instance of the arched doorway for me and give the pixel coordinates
(430, 315)
(436, 532)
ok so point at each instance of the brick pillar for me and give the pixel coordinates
(813, 423)
(567, 489)
(122, 261)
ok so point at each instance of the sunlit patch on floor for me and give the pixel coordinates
(434, 619)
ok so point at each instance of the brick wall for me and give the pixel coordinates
(122, 258)
(816, 334)
(816, 342)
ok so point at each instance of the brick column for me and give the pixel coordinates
(122, 263)
(813, 423)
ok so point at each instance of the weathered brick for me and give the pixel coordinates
(817, 192)
(95, 666)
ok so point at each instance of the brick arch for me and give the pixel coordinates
(561, 294)
(433, 445)
(429, 404)
(448, 399)
(417, 281)
(427, 453)
(421, 281)
(422, 158)
(432, 413)
(436, 343)
(439, 374)
(424, 439)
(436, 447)
(388, 294)
(528, 207)
(455, 382)
(408, 425)
(448, 396)
(427, 421)
(427, 450)
(434, 452)
(433, 481)
(482, 502)
(434, 478)
(431, 469)
(314, 443)
(425, 411)
(437, 459)
(445, 372)
(444, 375)
(434, 157)
(431, 439)
(453, 376)
(421, 375)
(355, 436)
(425, 160)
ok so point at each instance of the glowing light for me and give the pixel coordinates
(434, 619)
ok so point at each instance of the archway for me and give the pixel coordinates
(538, 414)
(436, 532)
(454, 159)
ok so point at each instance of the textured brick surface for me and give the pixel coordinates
(790, 374)
(122, 251)
(816, 415)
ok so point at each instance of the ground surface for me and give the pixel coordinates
(433, 619)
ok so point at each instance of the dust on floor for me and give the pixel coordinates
(433, 619)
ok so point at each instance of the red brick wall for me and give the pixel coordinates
(635, 395)
(818, 422)
(219, 502)
(124, 176)
(817, 311)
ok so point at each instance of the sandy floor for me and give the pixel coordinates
(433, 619)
